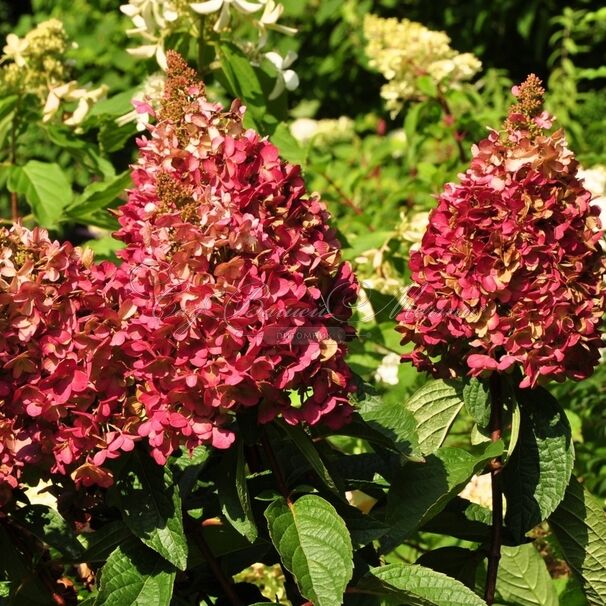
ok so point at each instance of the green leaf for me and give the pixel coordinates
(314, 544)
(135, 576)
(289, 147)
(523, 578)
(102, 542)
(50, 527)
(243, 82)
(363, 528)
(45, 188)
(305, 445)
(579, 525)
(538, 471)
(25, 585)
(115, 106)
(427, 86)
(151, 507)
(456, 562)
(366, 241)
(421, 490)
(418, 586)
(477, 401)
(105, 248)
(435, 407)
(233, 492)
(392, 423)
(99, 195)
(462, 520)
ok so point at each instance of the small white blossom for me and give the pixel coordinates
(212, 6)
(388, 370)
(70, 92)
(286, 78)
(594, 179)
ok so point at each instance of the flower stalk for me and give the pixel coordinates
(496, 468)
(222, 578)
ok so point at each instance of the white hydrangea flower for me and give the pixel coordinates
(404, 50)
(269, 20)
(286, 78)
(70, 91)
(388, 369)
(213, 6)
(323, 132)
(15, 49)
(594, 179)
(151, 93)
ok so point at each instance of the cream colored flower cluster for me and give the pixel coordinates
(323, 132)
(36, 64)
(405, 50)
(155, 20)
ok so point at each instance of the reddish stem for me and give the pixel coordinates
(496, 467)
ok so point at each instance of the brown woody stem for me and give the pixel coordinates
(225, 582)
(496, 467)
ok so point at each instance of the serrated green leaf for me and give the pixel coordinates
(151, 507)
(135, 576)
(523, 578)
(538, 471)
(435, 407)
(306, 447)
(421, 490)
(314, 544)
(393, 422)
(477, 402)
(115, 106)
(579, 524)
(418, 586)
(233, 492)
(99, 544)
(25, 585)
(99, 195)
(363, 528)
(290, 149)
(463, 520)
(243, 82)
(45, 188)
(50, 527)
(456, 562)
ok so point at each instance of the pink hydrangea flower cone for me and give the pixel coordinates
(241, 297)
(510, 272)
(62, 383)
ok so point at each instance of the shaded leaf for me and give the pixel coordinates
(51, 528)
(151, 507)
(421, 490)
(135, 576)
(579, 524)
(233, 492)
(538, 471)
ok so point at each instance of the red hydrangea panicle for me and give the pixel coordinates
(241, 297)
(62, 383)
(510, 272)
